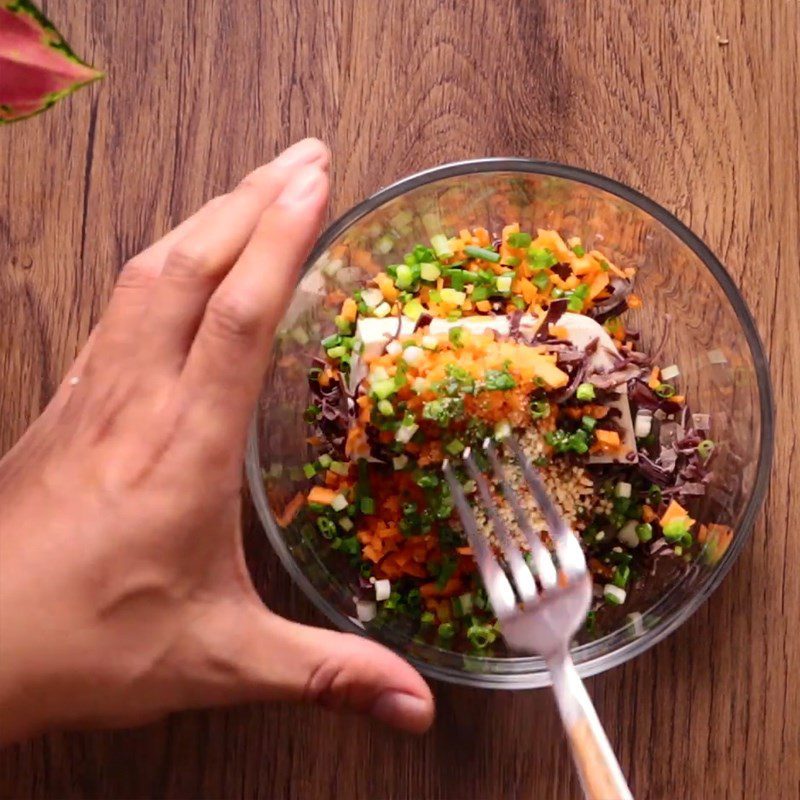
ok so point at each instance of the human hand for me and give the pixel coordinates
(123, 589)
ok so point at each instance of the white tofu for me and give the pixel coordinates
(374, 333)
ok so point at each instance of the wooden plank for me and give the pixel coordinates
(196, 94)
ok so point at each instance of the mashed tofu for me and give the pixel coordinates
(374, 333)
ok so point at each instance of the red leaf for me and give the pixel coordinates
(37, 67)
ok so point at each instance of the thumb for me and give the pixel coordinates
(289, 661)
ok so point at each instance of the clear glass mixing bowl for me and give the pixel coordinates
(692, 313)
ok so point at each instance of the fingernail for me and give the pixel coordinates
(402, 710)
(306, 151)
(301, 185)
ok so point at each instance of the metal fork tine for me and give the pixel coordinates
(498, 587)
(542, 561)
(570, 554)
(523, 577)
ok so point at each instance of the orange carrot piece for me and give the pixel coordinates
(674, 511)
(654, 380)
(386, 285)
(321, 495)
(349, 309)
(634, 301)
(607, 439)
(290, 511)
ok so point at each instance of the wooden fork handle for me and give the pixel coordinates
(597, 766)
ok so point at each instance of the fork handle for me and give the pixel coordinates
(598, 768)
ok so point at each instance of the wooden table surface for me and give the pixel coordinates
(695, 104)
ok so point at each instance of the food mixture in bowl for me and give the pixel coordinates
(480, 337)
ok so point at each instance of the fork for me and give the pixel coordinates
(542, 621)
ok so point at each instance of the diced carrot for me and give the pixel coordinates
(482, 237)
(648, 515)
(464, 551)
(678, 398)
(654, 380)
(559, 331)
(702, 534)
(634, 301)
(598, 284)
(363, 260)
(349, 309)
(291, 509)
(386, 285)
(484, 306)
(675, 511)
(321, 495)
(607, 439)
(331, 478)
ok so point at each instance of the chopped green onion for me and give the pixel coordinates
(502, 430)
(622, 575)
(427, 618)
(386, 408)
(325, 461)
(665, 390)
(459, 278)
(482, 253)
(588, 423)
(519, 239)
(405, 276)
(574, 303)
(337, 352)
(441, 246)
(446, 630)
(456, 336)
(309, 470)
(541, 280)
(447, 570)
(331, 341)
(327, 527)
(579, 251)
(541, 258)
(481, 636)
(614, 594)
(367, 505)
(454, 447)
(385, 388)
(339, 467)
(676, 529)
(644, 531)
(453, 296)
(480, 293)
(413, 309)
(705, 448)
(504, 282)
(339, 503)
(429, 271)
(342, 325)
(540, 409)
(585, 392)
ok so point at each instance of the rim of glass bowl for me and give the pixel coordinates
(531, 672)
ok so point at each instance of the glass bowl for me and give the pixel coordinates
(692, 315)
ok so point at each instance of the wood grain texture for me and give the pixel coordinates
(199, 92)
